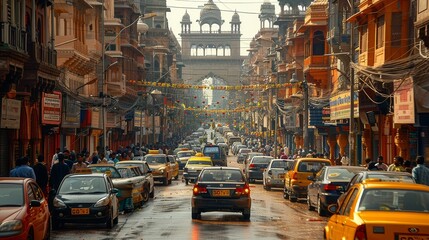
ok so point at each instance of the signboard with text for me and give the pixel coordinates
(340, 106)
(51, 108)
(404, 101)
(10, 113)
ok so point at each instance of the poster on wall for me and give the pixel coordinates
(10, 113)
(404, 101)
(51, 108)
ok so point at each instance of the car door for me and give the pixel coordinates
(113, 197)
(314, 186)
(38, 215)
(342, 217)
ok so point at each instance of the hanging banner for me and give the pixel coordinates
(51, 108)
(258, 87)
(404, 101)
(10, 113)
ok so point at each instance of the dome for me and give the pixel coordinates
(210, 14)
(186, 18)
(235, 18)
(268, 9)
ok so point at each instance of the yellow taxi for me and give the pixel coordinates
(375, 209)
(194, 166)
(296, 179)
(160, 166)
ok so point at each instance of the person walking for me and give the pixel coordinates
(58, 172)
(420, 172)
(41, 172)
(79, 164)
(380, 165)
(396, 166)
(22, 169)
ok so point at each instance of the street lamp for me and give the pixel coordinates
(154, 93)
(294, 80)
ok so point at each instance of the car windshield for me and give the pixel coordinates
(184, 154)
(125, 172)
(394, 200)
(199, 162)
(11, 195)
(109, 170)
(83, 185)
(221, 175)
(341, 174)
(155, 159)
(265, 160)
(280, 164)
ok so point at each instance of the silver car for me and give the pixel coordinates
(273, 175)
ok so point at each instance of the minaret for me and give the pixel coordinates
(235, 23)
(268, 14)
(186, 23)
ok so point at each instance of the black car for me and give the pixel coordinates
(255, 169)
(221, 189)
(327, 186)
(85, 198)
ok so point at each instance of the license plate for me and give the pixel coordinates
(281, 175)
(80, 211)
(220, 193)
(412, 237)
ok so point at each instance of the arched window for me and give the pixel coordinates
(194, 50)
(227, 50)
(200, 51)
(318, 43)
(205, 28)
(215, 28)
(220, 51)
(210, 50)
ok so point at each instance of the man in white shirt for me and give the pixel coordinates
(380, 165)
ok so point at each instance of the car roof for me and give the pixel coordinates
(131, 161)
(191, 151)
(200, 158)
(222, 168)
(86, 175)
(378, 184)
(102, 165)
(313, 159)
(342, 167)
(155, 155)
(14, 180)
(386, 173)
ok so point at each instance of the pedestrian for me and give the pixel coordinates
(397, 165)
(41, 172)
(79, 164)
(58, 172)
(338, 160)
(407, 166)
(380, 165)
(55, 157)
(345, 160)
(22, 169)
(420, 172)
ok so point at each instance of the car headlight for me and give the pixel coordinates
(161, 171)
(58, 203)
(102, 202)
(11, 226)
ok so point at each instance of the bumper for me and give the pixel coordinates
(218, 162)
(159, 178)
(96, 215)
(328, 199)
(191, 175)
(255, 175)
(224, 205)
(275, 182)
(299, 191)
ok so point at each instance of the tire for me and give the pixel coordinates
(320, 210)
(310, 208)
(196, 214)
(30, 235)
(246, 214)
(170, 181)
(186, 181)
(116, 220)
(292, 198)
(285, 193)
(165, 181)
(109, 222)
(48, 230)
(176, 177)
(152, 194)
(145, 195)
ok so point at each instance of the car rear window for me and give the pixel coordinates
(261, 160)
(311, 166)
(392, 177)
(280, 164)
(222, 175)
(111, 171)
(155, 159)
(199, 162)
(394, 200)
(184, 154)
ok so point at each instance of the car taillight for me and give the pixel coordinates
(360, 233)
(295, 176)
(252, 165)
(245, 190)
(198, 190)
(330, 187)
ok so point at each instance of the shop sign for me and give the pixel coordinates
(51, 108)
(95, 118)
(10, 113)
(71, 113)
(340, 106)
(139, 118)
(404, 101)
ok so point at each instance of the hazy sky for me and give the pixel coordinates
(248, 10)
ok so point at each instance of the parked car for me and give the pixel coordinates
(327, 186)
(145, 170)
(256, 167)
(221, 189)
(242, 154)
(296, 179)
(161, 168)
(383, 175)
(376, 209)
(174, 164)
(130, 174)
(24, 211)
(194, 166)
(225, 147)
(184, 156)
(237, 148)
(274, 174)
(86, 198)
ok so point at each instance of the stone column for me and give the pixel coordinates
(401, 141)
(342, 143)
(332, 142)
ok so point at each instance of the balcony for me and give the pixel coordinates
(316, 62)
(42, 54)
(13, 37)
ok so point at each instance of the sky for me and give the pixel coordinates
(248, 10)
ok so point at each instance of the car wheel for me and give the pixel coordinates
(170, 181)
(165, 182)
(310, 207)
(292, 198)
(196, 214)
(116, 219)
(176, 177)
(186, 181)
(30, 235)
(109, 222)
(145, 195)
(285, 193)
(320, 210)
(246, 214)
(152, 194)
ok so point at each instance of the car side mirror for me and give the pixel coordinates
(35, 203)
(333, 208)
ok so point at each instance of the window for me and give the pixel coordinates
(30, 193)
(318, 43)
(364, 39)
(380, 32)
(396, 29)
